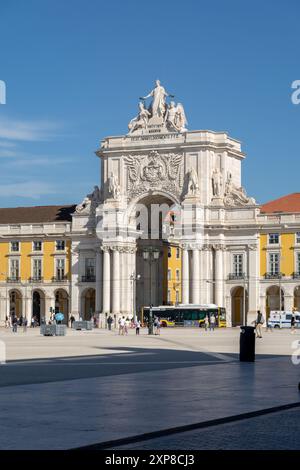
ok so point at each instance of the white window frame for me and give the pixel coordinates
(273, 244)
(177, 253)
(57, 261)
(169, 296)
(177, 298)
(270, 255)
(15, 251)
(33, 247)
(60, 250)
(32, 268)
(169, 274)
(177, 275)
(297, 262)
(236, 272)
(11, 261)
(297, 238)
(91, 266)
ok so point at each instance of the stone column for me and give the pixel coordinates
(219, 275)
(98, 281)
(185, 275)
(75, 301)
(116, 281)
(253, 282)
(106, 279)
(196, 276)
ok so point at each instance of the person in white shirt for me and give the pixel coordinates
(137, 327)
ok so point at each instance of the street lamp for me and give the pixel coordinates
(150, 254)
(134, 277)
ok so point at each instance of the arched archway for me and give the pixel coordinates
(88, 304)
(274, 301)
(62, 304)
(239, 306)
(297, 298)
(15, 303)
(153, 219)
(38, 306)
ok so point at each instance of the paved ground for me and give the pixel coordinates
(90, 387)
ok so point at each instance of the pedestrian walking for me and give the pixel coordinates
(15, 325)
(293, 322)
(206, 322)
(212, 322)
(72, 319)
(109, 322)
(126, 325)
(259, 323)
(137, 327)
(122, 326)
(32, 322)
(25, 323)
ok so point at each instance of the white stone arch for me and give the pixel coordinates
(15, 302)
(62, 302)
(238, 303)
(87, 302)
(272, 297)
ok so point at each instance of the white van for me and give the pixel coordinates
(279, 319)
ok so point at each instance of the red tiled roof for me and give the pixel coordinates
(36, 214)
(289, 203)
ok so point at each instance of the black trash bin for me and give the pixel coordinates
(247, 344)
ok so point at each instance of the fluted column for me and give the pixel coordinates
(116, 281)
(196, 276)
(185, 276)
(219, 275)
(98, 281)
(106, 279)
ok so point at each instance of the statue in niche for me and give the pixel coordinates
(193, 184)
(141, 120)
(113, 186)
(217, 182)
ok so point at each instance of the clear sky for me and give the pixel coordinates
(74, 71)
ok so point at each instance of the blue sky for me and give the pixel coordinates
(74, 71)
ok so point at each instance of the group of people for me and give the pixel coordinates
(13, 322)
(210, 322)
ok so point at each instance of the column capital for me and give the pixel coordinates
(219, 247)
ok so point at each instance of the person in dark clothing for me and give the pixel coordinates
(109, 322)
(259, 323)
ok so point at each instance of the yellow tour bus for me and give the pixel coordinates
(185, 315)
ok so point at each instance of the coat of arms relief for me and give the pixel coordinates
(155, 171)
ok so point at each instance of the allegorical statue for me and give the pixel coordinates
(175, 117)
(158, 104)
(217, 182)
(141, 120)
(113, 186)
(193, 184)
(235, 195)
(90, 202)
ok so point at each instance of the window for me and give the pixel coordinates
(298, 263)
(177, 296)
(169, 296)
(14, 269)
(298, 238)
(169, 274)
(60, 245)
(14, 247)
(273, 238)
(177, 253)
(274, 263)
(37, 269)
(238, 264)
(177, 274)
(90, 268)
(37, 246)
(60, 269)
